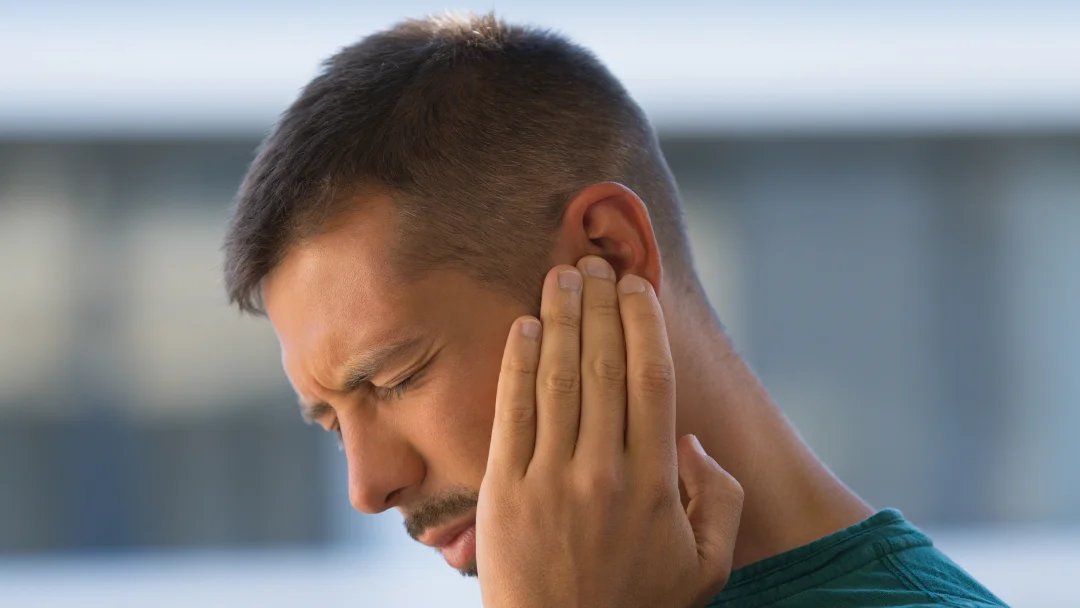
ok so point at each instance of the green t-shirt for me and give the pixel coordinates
(881, 562)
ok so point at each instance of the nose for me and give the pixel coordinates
(382, 466)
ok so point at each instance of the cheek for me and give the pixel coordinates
(459, 415)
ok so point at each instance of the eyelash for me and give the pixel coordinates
(336, 429)
(396, 391)
(385, 393)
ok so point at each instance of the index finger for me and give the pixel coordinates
(514, 431)
(650, 374)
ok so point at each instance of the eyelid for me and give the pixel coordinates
(396, 390)
(390, 392)
(401, 378)
(336, 429)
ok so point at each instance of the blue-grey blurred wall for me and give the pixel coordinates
(910, 301)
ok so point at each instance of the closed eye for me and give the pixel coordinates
(394, 392)
(389, 393)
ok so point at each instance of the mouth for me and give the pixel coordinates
(456, 541)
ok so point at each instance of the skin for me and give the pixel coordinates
(580, 503)
(335, 298)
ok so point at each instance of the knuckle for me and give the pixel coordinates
(733, 494)
(562, 383)
(656, 378)
(645, 317)
(605, 307)
(609, 370)
(599, 482)
(519, 366)
(733, 488)
(517, 415)
(565, 319)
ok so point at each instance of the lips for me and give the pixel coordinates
(456, 542)
(460, 551)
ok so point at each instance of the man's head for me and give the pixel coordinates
(404, 212)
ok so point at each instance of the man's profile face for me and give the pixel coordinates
(406, 372)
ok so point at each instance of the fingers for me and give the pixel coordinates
(514, 431)
(714, 510)
(558, 382)
(601, 436)
(650, 410)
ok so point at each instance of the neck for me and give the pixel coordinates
(791, 498)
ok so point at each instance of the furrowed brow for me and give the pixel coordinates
(364, 367)
(312, 412)
(361, 370)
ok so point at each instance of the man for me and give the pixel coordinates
(436, 189)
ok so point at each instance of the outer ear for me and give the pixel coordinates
(609, 220)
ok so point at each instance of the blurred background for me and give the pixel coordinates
(884, 202)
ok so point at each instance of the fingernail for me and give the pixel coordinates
(570, 280)
(598, 268)
(631, 284)
(697, 445)
(530, 328)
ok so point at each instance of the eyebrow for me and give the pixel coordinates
(312, 412)
(361, 370)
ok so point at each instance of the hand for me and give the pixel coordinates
(580, 503)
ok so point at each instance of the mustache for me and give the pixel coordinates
(440, 509)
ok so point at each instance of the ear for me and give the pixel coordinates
(609, 220)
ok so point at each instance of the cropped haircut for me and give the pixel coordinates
(479, 132)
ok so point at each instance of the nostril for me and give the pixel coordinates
(392, 497)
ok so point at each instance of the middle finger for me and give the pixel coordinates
(558, 378)
(603, 366)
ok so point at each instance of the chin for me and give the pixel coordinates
(469, 570)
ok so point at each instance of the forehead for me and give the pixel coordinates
(336, 291)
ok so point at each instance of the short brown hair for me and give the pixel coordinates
(479, 131)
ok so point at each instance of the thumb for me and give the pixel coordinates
(714, 507)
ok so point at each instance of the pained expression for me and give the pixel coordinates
(406, 372)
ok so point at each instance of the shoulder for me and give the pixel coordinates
(883, 562)
(927, 570)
